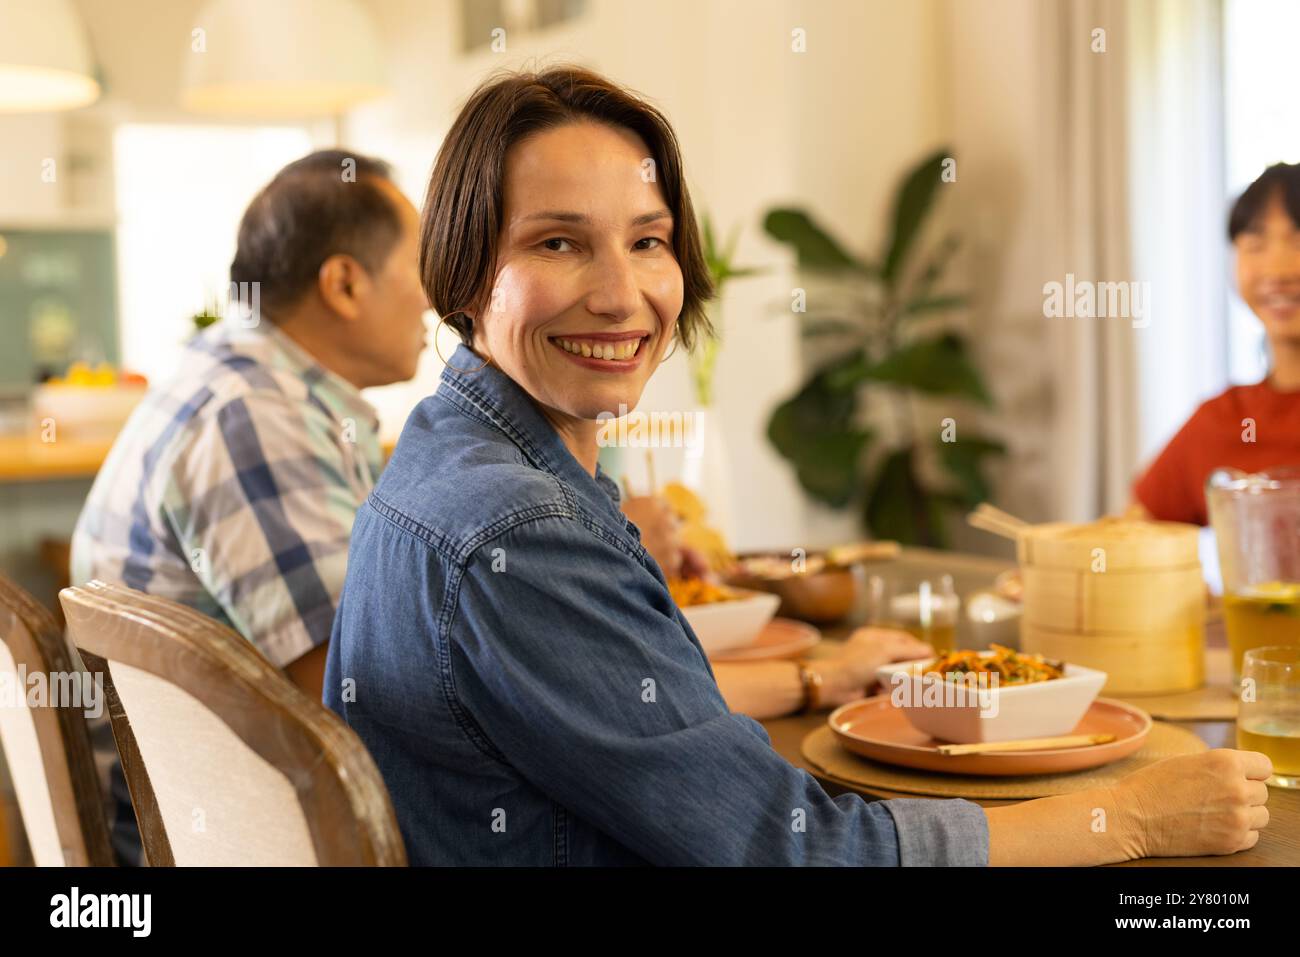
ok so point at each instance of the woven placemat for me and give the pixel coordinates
(1215, 701)
(823, 752)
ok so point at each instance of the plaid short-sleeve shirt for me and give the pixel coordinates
(233, 488)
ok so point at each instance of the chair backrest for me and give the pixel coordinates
(46, 742)
(228, 762)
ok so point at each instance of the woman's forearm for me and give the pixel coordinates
(770, 689)
(1069, 830)
(1082, 829)
(760, 689)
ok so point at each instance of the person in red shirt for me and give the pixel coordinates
(1248, 427)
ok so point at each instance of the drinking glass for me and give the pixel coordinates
(1256, 521)
(1268, 716)
(927, 608)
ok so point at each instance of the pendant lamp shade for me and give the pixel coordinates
(44, 59)
(285, 58)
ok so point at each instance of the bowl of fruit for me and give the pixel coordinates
(88, 403)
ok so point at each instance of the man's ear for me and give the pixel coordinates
(342, 283)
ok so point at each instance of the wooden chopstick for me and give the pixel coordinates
(1005, 517)
(1027, 744)
(862, 552)
(990, 518)
(988, 523)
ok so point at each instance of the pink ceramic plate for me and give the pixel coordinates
(781, 638)
(874, 728)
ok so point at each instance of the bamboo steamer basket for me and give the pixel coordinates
(1125, 597)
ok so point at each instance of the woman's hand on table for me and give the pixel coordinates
(1196, 804)
(851, 670)
(1186, 806)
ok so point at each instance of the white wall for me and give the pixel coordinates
(1002, 208)
(27, 142)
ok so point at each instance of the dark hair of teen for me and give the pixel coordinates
(1280, 179)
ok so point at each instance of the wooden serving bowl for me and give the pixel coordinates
(822, 597)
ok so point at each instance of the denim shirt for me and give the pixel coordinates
(510, 655)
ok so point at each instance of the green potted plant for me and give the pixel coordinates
(705, 467)
(721, 261)
(889, 342)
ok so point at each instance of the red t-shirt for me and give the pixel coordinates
(1218, 435)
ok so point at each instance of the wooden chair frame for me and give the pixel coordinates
(347, 808)
(36, 642)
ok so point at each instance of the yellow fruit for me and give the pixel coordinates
(684, 502)
(695, 531)
(709, 543)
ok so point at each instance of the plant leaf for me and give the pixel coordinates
(933, 304)
(898, 507)
(937, 366)
(815, 431)
(730, 250)
(937, 262)
(815, 247)
(721, 262)
(849, 373)
(964, 461)
(744, 271)
(911, 205)
(706, 227)
(830, 327)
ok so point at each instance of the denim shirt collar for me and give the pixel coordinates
(488, 393)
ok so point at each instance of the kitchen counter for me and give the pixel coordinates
(25, 458)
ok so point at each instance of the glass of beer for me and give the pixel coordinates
(1268, 715)
(927, 608)
(1260, 615)
(1255, 519)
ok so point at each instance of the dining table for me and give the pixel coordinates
(1279, 843)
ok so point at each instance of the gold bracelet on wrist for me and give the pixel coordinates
(812, 688)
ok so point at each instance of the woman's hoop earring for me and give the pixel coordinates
(438, 350)
(670, 351)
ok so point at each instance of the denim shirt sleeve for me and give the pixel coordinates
(571, 664)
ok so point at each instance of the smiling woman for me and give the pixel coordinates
(468, 188)
(571, 264)
(505, 646)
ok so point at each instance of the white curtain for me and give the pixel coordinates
(1133, 150)
(1177, 155)
(1085, 162)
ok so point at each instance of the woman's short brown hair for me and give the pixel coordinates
(463, 208)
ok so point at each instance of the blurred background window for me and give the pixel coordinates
(1259, 35)
(181, 191)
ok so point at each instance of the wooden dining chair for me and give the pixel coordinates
(47, 747)
(227, 762)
